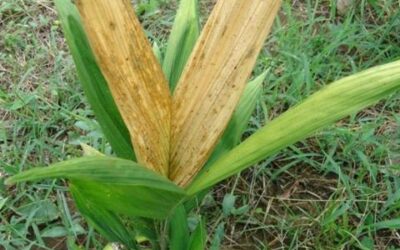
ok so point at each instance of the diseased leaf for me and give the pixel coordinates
(93, 82)
(337, 100)
(214, 79)
(134, 77)
(240, 119)
(235, 129)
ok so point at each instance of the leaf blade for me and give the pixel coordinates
(179, 230)
(93, 81)
(215, 78)
(184, 34)
(240, 118)
(328, 105)
(118, 185)
(106, 222)
(134, 76)
(199, 237)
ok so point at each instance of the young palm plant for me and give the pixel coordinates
(175, 121)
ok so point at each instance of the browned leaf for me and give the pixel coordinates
(213, 80)
(134, 76)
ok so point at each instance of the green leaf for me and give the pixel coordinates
(218, 237)
(228, 204)
(145, 230)
(110, 224)
(104, 221)
(2, 202)
(118, 185)
(198, 237)
(184, 34)
(387, 224)
(93, 81)
(179, 231)
(60, 231)
(339, 99)
(39, 211)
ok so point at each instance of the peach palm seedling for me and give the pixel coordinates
(175, 121)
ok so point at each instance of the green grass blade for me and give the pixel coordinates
(105, 222)
(117, 185)
(387, 224)
(179, 230)
(184, 34)
(93, 81)
(339, 99)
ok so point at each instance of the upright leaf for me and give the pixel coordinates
(134, 76)
(117, 185)
(332, 103)
(214, 79)
(93, 82)
(184, 34)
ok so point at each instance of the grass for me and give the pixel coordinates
(336, 190)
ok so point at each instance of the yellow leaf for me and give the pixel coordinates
(134, 77)
(214, 79)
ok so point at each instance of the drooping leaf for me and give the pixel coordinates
(214, 79)
(117, 185)
(184, 34)
(111, 225)
(339, 99)
(179, 231)
(105, 222)
(134, 76)
(93, 81)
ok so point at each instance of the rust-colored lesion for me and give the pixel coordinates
(175, 135)
(213, 81)
(134, 76)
